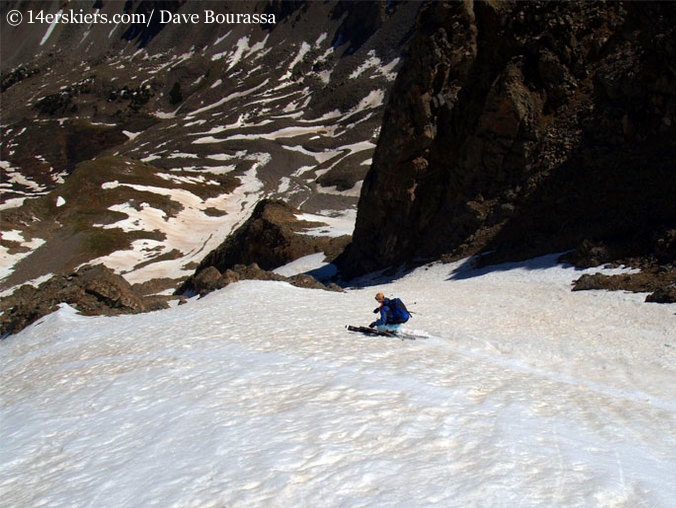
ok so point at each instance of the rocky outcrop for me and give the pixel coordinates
(211, 279)
(521, 128)
(273, 236)
(663, 295)
(656, 274)
(659, 282)
(92, 290)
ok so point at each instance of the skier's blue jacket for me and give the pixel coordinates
(391, 313)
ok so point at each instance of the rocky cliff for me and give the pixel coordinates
(519, 128)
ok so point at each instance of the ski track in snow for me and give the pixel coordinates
(520, 393)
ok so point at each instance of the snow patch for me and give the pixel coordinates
(304, 49)
(335, 225)
(131, 135)
(51, 27)
(8, 261)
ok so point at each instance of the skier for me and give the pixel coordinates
(393, 313)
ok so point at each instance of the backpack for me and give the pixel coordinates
(400, 313)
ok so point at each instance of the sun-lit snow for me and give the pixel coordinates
(12, 203)
(303, 265)
(355, 191)
(10, 257)
(375, 64)
(517, 392)
(333, 225)
(388, 71)
(242, 50)
(374, 99)
(131, 135)
(228, 98)
(13, 176)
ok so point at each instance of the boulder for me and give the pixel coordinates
(659, 281)
(663, 295)
(208, 280)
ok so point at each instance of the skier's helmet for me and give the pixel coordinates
(380, 297)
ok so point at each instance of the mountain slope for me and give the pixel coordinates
(182, 129)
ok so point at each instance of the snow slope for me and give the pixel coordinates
(518, 393)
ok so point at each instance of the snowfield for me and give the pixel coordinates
(517, 392)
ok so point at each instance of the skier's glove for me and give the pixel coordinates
(372, 325)
(376, 310)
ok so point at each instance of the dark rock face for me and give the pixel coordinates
(524, 128)
(273, 236)
(92, 290)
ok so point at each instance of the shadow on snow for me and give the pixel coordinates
(472, 267)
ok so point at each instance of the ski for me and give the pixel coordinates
(373, 332)
(368, 331)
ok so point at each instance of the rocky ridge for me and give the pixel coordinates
(273, 236)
